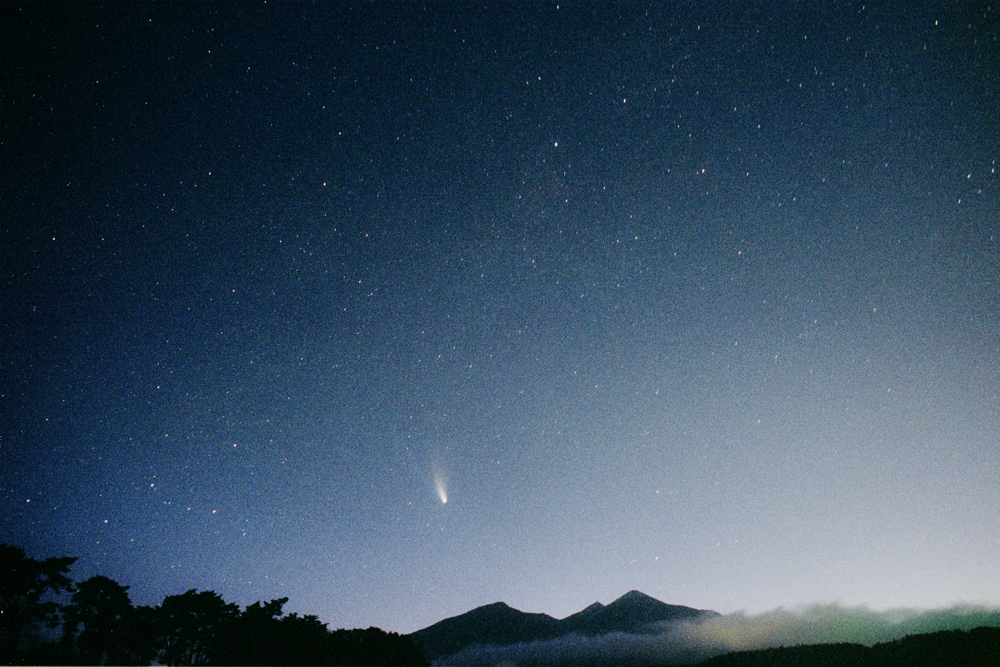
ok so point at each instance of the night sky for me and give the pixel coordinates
(398, 310)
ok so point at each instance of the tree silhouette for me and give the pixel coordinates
(189, 627)
(300, 640)
(250, 638)
(374, 647)
(26, 586)
(101, 627)
(261, 636)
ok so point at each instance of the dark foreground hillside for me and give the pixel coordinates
(976, 648)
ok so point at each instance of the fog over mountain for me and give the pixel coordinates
(831, 623)
(639, 630)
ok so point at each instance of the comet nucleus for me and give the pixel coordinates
(441, 484)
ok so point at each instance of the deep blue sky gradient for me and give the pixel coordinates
(699, 299)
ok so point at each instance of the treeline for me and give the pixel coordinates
(979, 647)
(46, 618)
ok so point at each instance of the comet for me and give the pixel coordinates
(441, 485)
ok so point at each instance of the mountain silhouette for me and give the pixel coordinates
(629, 613)
(495, 623)
(499, 624)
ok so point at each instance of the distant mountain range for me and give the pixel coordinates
(498, 624)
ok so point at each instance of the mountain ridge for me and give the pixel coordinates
(501, 625)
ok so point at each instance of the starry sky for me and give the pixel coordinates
(401, 309)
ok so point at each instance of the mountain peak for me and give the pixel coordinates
(579, 619)
(633, 612)
(635, 596)
(496, 623)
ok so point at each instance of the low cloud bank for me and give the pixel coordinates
(829, 624)
(690, 642)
